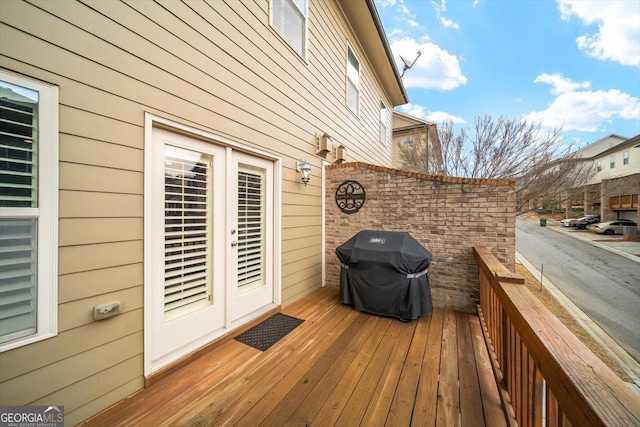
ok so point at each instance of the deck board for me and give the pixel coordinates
(470, 398)
(448, 405)
(339, 367)
(424, 413)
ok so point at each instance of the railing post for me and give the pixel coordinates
(545, 375)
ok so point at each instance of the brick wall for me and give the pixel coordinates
(616, 187)
(448, 216)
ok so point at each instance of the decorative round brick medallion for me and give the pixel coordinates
(350, 197)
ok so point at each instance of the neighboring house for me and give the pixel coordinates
(618, 175)
(623, 159)
(612, 189)
(416, 145)
(597, 147)
(148, 156)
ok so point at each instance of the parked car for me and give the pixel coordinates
(612, 227)
(581, 223)
(567, 222)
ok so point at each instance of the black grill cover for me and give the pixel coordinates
(384, 272)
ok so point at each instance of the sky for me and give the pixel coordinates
(569, 64)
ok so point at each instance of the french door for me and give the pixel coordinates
(209, 261)
(251, 260)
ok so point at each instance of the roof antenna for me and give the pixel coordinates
(407, 64)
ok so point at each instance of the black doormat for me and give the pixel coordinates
(268, 332)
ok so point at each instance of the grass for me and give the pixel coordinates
(558, 310)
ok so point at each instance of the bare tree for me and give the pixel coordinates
(538, 160)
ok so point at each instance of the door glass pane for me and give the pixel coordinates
(187, 231)
(251, 227)
(18, 146)
(17, 278)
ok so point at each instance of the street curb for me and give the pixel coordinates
(626, 362)
(598, 244)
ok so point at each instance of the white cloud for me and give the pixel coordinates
(560, 84)
(435, 69)
(414, 110)
(587, 111)
(449, 23)
(440, 116)
(441, 8)
(403, 13)
(436, 117)
(618, 35)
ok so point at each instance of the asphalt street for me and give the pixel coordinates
(604, 285)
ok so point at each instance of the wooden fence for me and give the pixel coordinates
(546, 375)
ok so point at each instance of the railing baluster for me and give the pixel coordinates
(534, 393)
(547, 377)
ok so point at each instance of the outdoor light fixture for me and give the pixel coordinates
(303, 167)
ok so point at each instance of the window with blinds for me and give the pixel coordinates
(187, 231)
(17, 278)
(353, 80)
(251, 227)
(18, 224)
(384, 124)
(289, 18)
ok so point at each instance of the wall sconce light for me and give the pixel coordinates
(304, 168)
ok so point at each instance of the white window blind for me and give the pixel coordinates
(251, 227)
(17, 278)
(353, 80)
(18, 149)
(290, 21)
(18, 190)
(187, 218)
(384, 119)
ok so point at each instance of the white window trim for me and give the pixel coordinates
(346, 81)
(305, 41)
(47, 211)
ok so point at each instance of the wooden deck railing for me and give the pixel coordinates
(546, 375)
(627, 201)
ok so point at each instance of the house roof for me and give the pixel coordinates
(364, 20)
(402, 122)
(631, 142)
(598, 147)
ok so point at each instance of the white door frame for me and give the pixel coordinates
(152, 120)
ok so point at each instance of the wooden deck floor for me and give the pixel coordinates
(340, 367)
